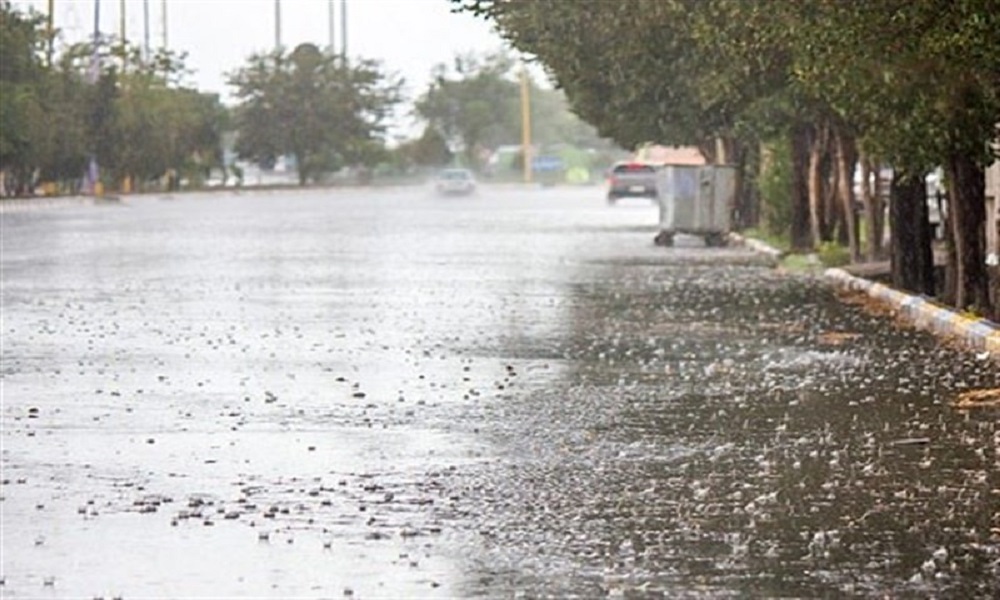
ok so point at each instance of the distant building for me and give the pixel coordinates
(670, 155)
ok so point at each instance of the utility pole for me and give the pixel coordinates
(526, 124)
(122, 32)
(93, 170)
(145, 35)
(343, 30)
(50, 32)
(163, 12)
(331, 26)
(277, 25)
(95, 55)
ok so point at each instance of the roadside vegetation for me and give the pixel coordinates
(101, 113)
(815, 89)
(834, 112)
(97, 106)
(318, 108)
(474, 106)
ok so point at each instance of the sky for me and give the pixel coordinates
(410, 37)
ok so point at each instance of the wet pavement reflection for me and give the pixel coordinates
(389, 394)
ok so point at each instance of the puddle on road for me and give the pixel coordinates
(467, 402)
(696, 446)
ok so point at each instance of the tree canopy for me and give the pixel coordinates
(475, 105)
(326, 112)
(913, 84)
(102, 101)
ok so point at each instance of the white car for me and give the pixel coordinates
(457, 182)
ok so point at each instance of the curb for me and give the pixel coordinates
(979, 334)
(756, 245)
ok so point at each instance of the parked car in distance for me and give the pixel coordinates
(631, 180)
(455, 182)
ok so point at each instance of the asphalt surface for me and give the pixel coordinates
(391, 394)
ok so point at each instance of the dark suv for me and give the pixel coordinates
(631, 180)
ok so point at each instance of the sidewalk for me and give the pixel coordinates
(979, 334)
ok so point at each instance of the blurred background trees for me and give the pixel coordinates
(320, 109)
(104, 109)
(99, 102)
(474, 105)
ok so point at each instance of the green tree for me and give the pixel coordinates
(65, 139)
(98, 99)
(553, 122)
(21, 75)
(919, 82)
(912, 82)
(653, 71)
(474, 104)
(325, 112)
(429, 150)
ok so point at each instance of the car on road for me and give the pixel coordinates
(631, 180)
(455, 182)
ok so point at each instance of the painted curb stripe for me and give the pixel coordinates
(982, 330)
(977, 333)
(993, 342)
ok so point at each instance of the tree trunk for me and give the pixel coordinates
(869, 205)
(800, 234)
(911, 255)
(749, 170)
(817, 216)
(846, 157)
(879, 201)
(722, 148)
(948, 229)
(709, 149)
(836, 225)
(734, 154)
(301, 166)
(968, 209)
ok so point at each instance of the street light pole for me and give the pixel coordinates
(277, 24)
(331, 26)
(343, 30)
(122, 32)
(145, 31)
(50, 32)
(97, 25)
(526, 124)
(93, 170)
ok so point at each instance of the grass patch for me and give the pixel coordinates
(801, 262)
(781, 242)
(832, 254)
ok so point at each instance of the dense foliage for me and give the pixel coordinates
(98, 102)
(909, 84)
(475, 105)
(324, 111)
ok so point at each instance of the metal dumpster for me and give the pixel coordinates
(695, 200)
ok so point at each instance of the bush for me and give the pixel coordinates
(832, 254)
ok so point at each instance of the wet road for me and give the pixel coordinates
(327, 395)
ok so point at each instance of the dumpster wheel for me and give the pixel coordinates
(664, 238)
(715, 240)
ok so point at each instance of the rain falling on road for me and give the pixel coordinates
(390, 394)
